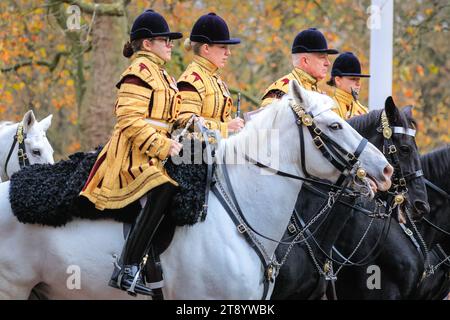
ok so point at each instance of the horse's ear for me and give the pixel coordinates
(28, 121)
(391, 110)
(46, 122)
(408, 111)
(296, 91)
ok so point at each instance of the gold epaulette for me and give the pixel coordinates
(142, 68)
(195, 77)
(281, 84)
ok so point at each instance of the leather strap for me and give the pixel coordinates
(246, 235)
(21, 151)
(444, 194)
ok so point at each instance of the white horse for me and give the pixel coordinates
(37, 147)
(209, 260)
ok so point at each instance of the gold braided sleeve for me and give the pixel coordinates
(131, 110)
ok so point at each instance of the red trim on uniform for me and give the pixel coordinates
(142, 66)
(196, 75)
(94, 170)
(285, 81)
(130, 165)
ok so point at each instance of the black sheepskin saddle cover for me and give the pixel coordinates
(49, 194)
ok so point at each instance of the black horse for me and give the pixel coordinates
(405, 264)
(302, 276)
(436, 169)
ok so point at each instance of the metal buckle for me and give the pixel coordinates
(242, 228)
(318, 142)
(408, 232)
(402, 182)
(392, 149)
(351, 156)
(21, 154)
(317, 131)
(292, 228)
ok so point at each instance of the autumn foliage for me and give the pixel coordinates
(47, 68)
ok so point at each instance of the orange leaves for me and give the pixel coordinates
(4, 56)
(420, 70)
(266, 27)
(408, 93)
(57, 104)
(74, 147)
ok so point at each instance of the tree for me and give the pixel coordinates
(72, 73)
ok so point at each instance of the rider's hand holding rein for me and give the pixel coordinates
(175, 148)
(235, 125)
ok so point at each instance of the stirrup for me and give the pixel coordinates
(131, 289)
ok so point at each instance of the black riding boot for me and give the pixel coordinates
(127, 274)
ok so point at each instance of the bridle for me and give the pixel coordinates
(346, 162)
(19, 138)
(399, 185)
(340, 158)
(399, 179)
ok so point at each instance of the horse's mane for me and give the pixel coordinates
(263, 120)
(406, 120)
(364, 122)
(279, 116)
(409, 118)
(5, 123)
(436, 166)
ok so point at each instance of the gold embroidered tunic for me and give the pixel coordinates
(204, 93)
(346, 106)
(280, 87)
(130, 163)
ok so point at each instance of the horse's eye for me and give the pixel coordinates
(36, 153)
(335, 126)
(405, 149)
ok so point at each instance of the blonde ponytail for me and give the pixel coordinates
(187, 44)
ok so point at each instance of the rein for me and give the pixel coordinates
(346, 162)
(441, 192)
(401, 190)
(445, 257)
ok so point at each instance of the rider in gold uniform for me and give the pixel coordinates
(202, 91)
(310, 59)
(345, 77)
(130, 165)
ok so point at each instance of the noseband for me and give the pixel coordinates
(341, 159)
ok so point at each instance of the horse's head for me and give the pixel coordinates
(343, 137)
(403, 127)
(37, 147)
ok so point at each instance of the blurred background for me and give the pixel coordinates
(65, 57)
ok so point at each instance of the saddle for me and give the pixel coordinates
(48, 194)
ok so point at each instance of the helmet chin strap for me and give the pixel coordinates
(355, 93)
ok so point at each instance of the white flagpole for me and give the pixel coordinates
(380, 22)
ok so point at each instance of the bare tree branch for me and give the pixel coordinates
(113, 9)
(50, 64)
